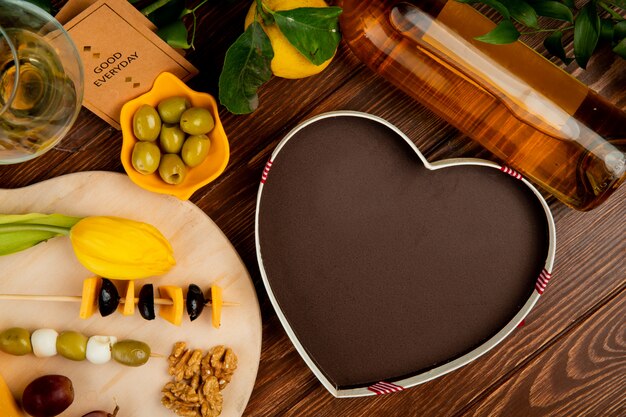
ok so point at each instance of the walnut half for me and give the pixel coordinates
(195, 389)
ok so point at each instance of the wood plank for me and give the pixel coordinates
(274, 392)
(583, 373)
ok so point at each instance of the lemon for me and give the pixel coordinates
(288, 62)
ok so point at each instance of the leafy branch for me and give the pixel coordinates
(313, 31)
(167, 15)
(595, 23)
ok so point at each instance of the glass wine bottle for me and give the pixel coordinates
(527, 111)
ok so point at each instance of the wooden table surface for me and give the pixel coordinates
(568, 360)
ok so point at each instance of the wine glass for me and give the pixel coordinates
(41, 81)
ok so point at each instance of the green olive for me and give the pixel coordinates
(15, 341)
(195, 149)
(146, 157)
(196, 121)
(131, 352)
(72, 345)
(146, 123)
(172, 169)
(171, 138)
(171, 108)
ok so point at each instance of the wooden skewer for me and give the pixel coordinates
(78, 299)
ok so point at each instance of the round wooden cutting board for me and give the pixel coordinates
(204, 256)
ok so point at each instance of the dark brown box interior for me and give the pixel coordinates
(383, 268)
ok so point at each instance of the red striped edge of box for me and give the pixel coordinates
(266, 171)
(384, 388)
(511, 172)
(542, 281)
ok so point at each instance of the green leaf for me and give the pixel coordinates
(504, 33)
(246, 68)
(619, 31)
(175, 34)
(614, 14)
(586, 33)
(522, 12)
(554, 9)
(499, 7)
(620, 49)
(554, 45)
(314, 31)
(494, 4)
(619, 3)
(166, 14)
(569, 3)
(43, 4)
(606, 30)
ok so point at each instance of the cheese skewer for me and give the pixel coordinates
(101, 292)
(78, 299)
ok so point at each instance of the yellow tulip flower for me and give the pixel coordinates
(110, 247)
(119, 248)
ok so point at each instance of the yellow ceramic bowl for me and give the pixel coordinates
(168, 85)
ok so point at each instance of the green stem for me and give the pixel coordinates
(613, 3)
(152, 7)
(4, 228)
(193, 33)
(546, 30)
(198, 6)
(612, 12)
(184, 13)
(267, 18)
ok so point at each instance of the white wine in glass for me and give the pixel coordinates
(41, 82)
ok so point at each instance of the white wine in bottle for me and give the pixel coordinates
(525, 110)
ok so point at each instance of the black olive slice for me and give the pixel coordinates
(146, 302)
(195, 301)
(108, 299)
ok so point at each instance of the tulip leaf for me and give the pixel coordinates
(38, 218)
(586, 33)
(504, 33)
(246, 68)
(313, 31)
(16, 241)
(22, 231)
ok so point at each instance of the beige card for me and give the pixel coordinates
(121, 57)
(73, 8)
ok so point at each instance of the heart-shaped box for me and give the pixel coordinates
(385, 270)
